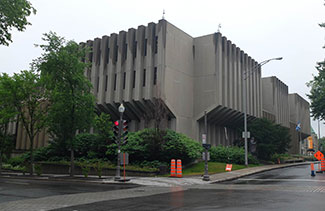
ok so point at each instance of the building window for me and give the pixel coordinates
(116, 53)
(135, 49)
(144, 78)
(133, 85)
(107, 57)
(156, 44)
(145, 47)
(106, 79)
(90, 57)
(115, 77)
(125, 50)
(223, 45)
(155, 76)
(99, 54)
(124, 78)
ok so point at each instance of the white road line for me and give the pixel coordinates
(284, 180)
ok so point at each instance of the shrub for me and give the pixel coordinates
(235, 155)
(85, 168)
(98, 166)
(38, 169)
(150, 145)
(90, 146)
(16, 161)
(271, 138)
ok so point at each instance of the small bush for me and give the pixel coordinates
(16, 161)
(233, 155)
(98, 166)
(85, 168)
(38, 169)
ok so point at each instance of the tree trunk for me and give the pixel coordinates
(31, 170)
(72, 162)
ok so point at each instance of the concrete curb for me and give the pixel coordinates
(254, 170)
(159, 181)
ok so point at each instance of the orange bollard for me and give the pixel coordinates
(179, 168)
(312, 169)
(173, 168)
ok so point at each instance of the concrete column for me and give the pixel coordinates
(112, 42)
(120, 66)
(130, 40)
(103, 70)
(139, 63)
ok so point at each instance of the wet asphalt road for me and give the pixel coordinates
(283, 189)
(12, 189)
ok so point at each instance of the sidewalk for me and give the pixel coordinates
(160, 181)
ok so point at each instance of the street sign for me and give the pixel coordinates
(206, 146)
(318, 155)
(248, 134)
(204, 138)
(203, 156)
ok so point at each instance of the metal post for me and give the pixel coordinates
(245, 116)
(246, 74)
(300, 141)
(206, 176)
(120, 127)
(318, 147)
(118, 168)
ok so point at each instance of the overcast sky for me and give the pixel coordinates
(262, 28)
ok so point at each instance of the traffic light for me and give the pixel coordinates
(125, 131)
(116, 129)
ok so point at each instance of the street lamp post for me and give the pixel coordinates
(121, 109)
(245, 76)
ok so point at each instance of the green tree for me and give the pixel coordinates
(104, 127)
(7, 114)
(26, 96)
(317, 92)
(13, 14)
(72, 104)
(321, 144)
(271, 138)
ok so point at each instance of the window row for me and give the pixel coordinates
(144, 81)
(124, 51)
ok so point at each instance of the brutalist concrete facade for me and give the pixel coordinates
(287, 110)
(190, 75)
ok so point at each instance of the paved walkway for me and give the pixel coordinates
(153, 186)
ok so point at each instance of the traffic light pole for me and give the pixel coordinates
(118, 168)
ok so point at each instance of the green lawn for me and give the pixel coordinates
(214, 167)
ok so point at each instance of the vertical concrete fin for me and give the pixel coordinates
(139, 63)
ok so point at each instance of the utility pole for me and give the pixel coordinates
(121, 109)
(206, 146)
(246, 74)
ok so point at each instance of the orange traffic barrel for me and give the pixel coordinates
(179, 168)
(173, 168)
(322, 163)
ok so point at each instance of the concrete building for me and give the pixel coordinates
(190, 75)
(287, 110)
